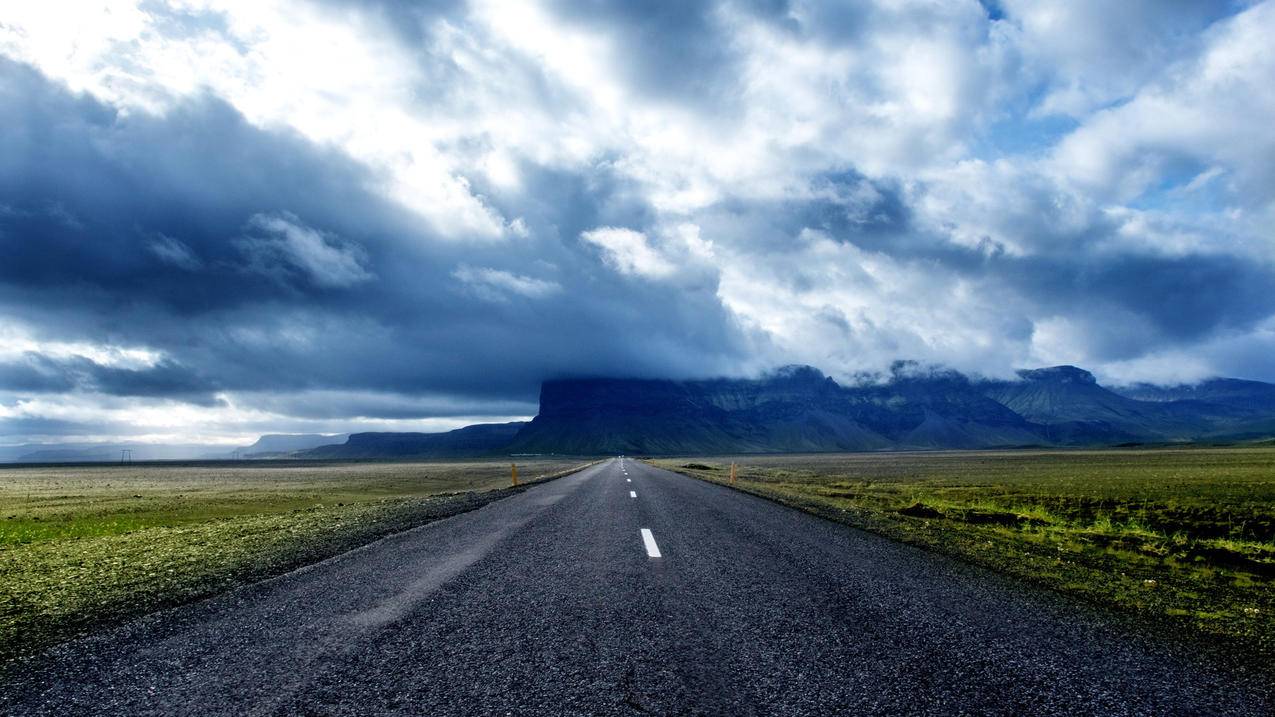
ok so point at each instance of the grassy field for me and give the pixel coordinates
(1186, 536)
(85, 545)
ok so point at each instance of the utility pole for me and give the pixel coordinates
(126, 456)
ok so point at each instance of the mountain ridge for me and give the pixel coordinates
(798, 409)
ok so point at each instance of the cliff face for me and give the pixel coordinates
(797, 409)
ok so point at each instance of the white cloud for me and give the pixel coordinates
(629, 252)
(835, 305)
(497, 284)
(1091, 53)
(324, 259)
(19, 338)
(174, 251)
(1212, 112)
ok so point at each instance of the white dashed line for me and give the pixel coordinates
(632, 494)
(652, 550)
(628, 480)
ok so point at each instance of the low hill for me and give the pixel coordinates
(478, 440)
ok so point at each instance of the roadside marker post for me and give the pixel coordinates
(732, 473)
(513, 470)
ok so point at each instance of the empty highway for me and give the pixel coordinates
(625, 589)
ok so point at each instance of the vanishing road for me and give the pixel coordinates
(554, 601)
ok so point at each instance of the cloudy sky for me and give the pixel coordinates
(221, 218)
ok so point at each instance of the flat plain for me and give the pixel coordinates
(1183, 536)
(81, 546)
(553, 601)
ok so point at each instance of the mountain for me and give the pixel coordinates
(1076, 410)
(470, 441)
(1228, 391)
(280, 445)
(800, 409)
(268, 446)
(795, 409)
(1230, 407)
(103, 452)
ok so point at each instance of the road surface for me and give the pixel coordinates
(553, 602)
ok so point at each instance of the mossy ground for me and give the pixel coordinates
(81, 546)
(1183, 536)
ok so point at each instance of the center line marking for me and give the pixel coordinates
(632, 494)
(628, 480)
(652, 550)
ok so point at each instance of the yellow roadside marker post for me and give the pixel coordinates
(732, 473)
(513, 470)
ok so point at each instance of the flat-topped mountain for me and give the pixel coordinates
(479, 440)
(796, 409)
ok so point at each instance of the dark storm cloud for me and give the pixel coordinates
(845, 205)
(37, 373)
(337, 405)
(871, 214)
(1182, 299)
(16, 428)
(256, 261)
(166, 379)
(567, 203)
(99, 206)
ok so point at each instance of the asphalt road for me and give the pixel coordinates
(549, 603)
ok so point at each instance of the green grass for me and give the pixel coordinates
(1183, 536)
(81, 546)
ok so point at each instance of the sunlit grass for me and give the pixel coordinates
(1179, 534)
(84, 545)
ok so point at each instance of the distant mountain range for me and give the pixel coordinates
(283, 445)
(267, 446)
(798, 408)
(105, 452)
(794, 409)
